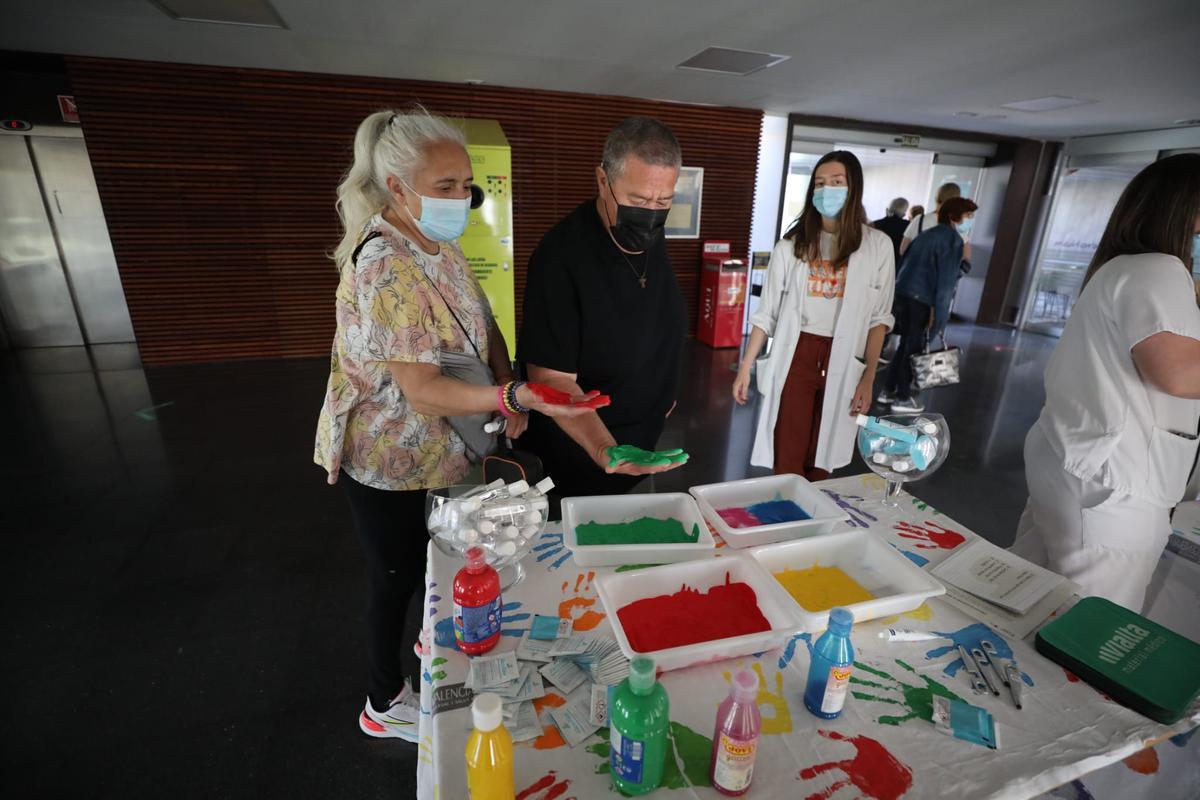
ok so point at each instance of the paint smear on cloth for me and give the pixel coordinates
(646, 530)
(818, 588)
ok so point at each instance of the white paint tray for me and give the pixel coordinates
(627, 508)
(825, 513)
(898, 584)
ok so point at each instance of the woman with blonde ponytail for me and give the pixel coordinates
(406, 297)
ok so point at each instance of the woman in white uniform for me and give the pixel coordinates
(1111, 452)
(828, 304)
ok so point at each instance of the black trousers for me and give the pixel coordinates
(391, 527)
(912, 317)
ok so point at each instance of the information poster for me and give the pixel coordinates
(488, 240)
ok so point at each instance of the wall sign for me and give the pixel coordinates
(68, 109)
(683, 221)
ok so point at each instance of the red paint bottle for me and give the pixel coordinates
(476, 605)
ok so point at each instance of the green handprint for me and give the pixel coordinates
(917, 700)
(685, 763)
(628, 454)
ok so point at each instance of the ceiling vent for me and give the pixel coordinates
(253, 13)
(731, 62)
(1054, 102)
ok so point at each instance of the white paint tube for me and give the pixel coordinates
(907, 635)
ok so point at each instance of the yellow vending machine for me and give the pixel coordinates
(488, 240)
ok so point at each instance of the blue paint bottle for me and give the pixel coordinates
(830, 667)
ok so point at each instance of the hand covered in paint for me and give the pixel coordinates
(626, 459)
(861, 403)
(557, 403)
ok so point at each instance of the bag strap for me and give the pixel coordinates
(920, 224)
(463, 328)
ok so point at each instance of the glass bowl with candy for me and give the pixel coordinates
(903, 447)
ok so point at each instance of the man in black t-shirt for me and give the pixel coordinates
(894, 224)
(602, 309)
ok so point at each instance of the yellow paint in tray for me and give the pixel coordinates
(818, 588)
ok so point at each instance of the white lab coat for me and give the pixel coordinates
(1110, 454)
(870, 284)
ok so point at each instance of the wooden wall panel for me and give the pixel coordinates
(218, 187)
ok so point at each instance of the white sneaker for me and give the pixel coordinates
(398, 722)
(911, 405)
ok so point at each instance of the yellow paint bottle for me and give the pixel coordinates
(489, 752)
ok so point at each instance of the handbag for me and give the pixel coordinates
(936, 368)
(466, 368)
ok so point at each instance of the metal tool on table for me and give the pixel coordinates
(984, 666)
(978, 685)
(1008, 673)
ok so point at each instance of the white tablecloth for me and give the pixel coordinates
(881, 748)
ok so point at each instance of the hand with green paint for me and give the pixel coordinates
(625, 459)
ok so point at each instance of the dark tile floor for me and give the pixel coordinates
(183, 594)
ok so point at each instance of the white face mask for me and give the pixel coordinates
(443, 219)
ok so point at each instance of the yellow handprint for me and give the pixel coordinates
(921, 612)
(780, 718)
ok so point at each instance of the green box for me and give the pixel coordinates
(1136, 662)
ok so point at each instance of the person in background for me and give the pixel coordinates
(405, 295)
(828, 304)
(914, 212)
(925, 221)
(602, 308)
(1110, 453)
(894, 224)
(924, 289)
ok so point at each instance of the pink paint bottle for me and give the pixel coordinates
(735, 740)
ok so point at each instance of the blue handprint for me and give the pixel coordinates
(443, 631)
(858, 517)
(551, 547)
(789, 650)
(433, 599)
(970, 637)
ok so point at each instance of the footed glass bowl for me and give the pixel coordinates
(505, 528)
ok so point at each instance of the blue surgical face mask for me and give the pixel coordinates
(829, 200)
(1196, 254)
(442, 219)
(964, 227)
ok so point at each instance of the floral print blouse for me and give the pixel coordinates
(388, 310)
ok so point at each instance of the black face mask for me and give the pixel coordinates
(638, 228)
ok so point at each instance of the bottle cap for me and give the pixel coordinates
(475, 560)
(641, 675)
(841, 620)
(861, 420)
(745, 686)
(517, 488)
(487, 711)
(544, 485)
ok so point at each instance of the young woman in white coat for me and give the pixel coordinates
(1111, 452)
(828, 305)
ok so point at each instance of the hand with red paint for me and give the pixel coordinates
(557, 403)
(930, 536)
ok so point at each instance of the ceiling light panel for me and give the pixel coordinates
(254, 13)
(731, 62)
(1054, 102)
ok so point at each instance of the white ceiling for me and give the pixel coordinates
(912, 62)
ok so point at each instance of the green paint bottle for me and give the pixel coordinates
(639, 717)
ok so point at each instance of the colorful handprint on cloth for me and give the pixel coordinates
(858, 517)
(512, 624)
(915, 700)
(686, 762)
(921, 505)
(579, 606)
(872, 770)
(930, 535)
(916, 558)
(789, 649)
(970, 637)
(779, 718)
(436, 675)
(547, 787)
(550, 548)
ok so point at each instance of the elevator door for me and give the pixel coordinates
(59, 283)
(35, 302)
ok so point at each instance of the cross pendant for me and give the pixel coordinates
(642, 281)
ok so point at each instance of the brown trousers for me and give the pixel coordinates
(799, 418)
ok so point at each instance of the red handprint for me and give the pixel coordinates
(556, 397)
(873, 770)
(548, 787)
(930, 536)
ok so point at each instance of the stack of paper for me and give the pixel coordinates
(997, 576)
